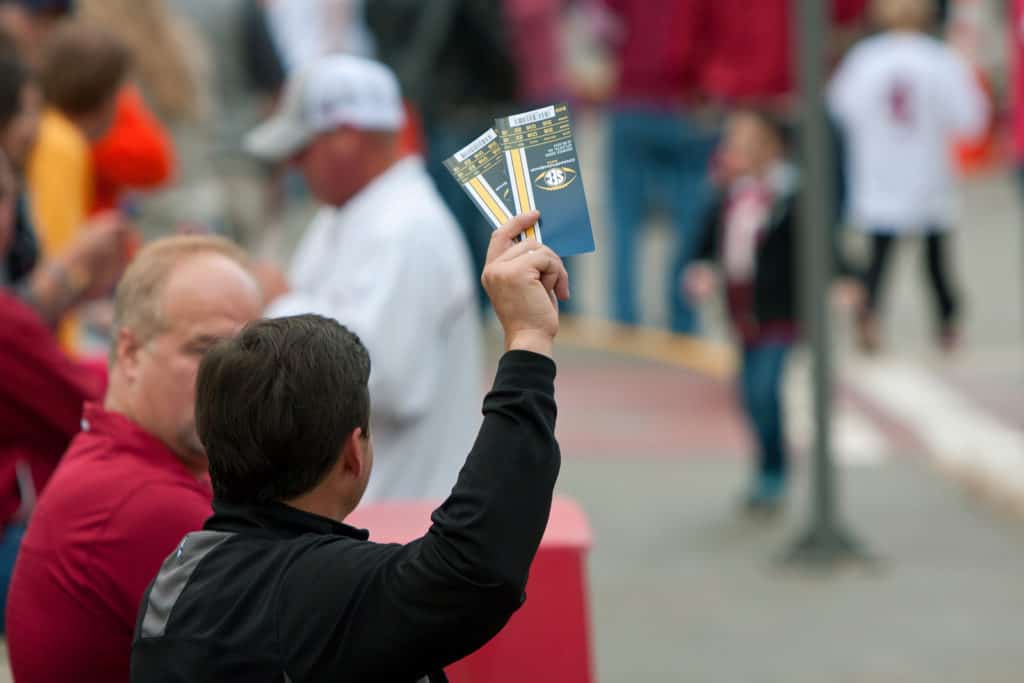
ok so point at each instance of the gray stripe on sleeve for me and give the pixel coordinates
(173, 577)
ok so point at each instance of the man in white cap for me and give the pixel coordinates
(385, 258)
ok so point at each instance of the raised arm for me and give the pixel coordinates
(432, 602)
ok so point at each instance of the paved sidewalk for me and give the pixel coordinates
(686, 589)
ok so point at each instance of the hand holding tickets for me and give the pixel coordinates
(528, 161)
(524, 280)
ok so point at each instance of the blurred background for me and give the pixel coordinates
(928, 428)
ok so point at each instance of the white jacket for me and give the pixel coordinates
(393, 267)
(901, 99)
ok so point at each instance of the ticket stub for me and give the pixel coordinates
(543, 172)
(479, 168)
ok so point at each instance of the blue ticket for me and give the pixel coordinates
(543, 172)
(479, 168)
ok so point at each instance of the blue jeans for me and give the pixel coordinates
(10, 542)
(657, 158)
(761, 393)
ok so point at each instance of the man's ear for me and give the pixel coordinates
(354, 454)
(126, 353)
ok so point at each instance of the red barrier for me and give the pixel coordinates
(548, 639)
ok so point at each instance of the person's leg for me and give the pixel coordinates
(627, 177)
(946, 304)
(10, 542)
(693, 147)
(765, 408)
(881, 247)
(745, 380)
(868, 327)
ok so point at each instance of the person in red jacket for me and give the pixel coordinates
(134, 480)
(42, 391)
(135, 154)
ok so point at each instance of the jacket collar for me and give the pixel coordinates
(781, 179)
(277, 519)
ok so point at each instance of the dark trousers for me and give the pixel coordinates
(936, 265)
(761, 393)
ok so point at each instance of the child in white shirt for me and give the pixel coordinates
(901, 97)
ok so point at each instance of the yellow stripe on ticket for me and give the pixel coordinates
(521, 182)
(523, 191)
(486, 198)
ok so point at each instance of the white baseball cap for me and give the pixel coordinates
(336, 90)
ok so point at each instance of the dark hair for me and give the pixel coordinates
(275, 405)
(782, 130)
(83, 67)
(13, 77)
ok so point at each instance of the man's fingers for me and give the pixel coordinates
(517, 250)
(504, 236)
(552, 271)
(560, 284)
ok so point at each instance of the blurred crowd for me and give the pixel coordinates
(124, 122)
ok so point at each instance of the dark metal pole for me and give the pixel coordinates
(815, 204)
(825, 542)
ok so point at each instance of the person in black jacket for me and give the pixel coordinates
(750, 231)
(276, 587)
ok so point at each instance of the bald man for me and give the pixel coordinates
(134, 481)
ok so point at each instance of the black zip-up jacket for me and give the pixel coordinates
(271, 593)
(776, 260)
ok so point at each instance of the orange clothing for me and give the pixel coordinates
(60, 184)
(410, 138)
(136, 153)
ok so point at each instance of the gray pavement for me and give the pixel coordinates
(686, 589)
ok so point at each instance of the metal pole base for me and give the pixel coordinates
(826, 548)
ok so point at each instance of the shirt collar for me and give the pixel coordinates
(130, 436)
(781, 179)
(278, 519)
(385, 189)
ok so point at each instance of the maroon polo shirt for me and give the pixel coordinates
(41, 397)
(750, 47)
(116, 507)
(661, 50)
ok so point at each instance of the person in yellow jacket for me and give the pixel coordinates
(81, 71)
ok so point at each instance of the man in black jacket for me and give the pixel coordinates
(276, 587)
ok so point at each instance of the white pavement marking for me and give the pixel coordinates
(856, 439)
(960, 435)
